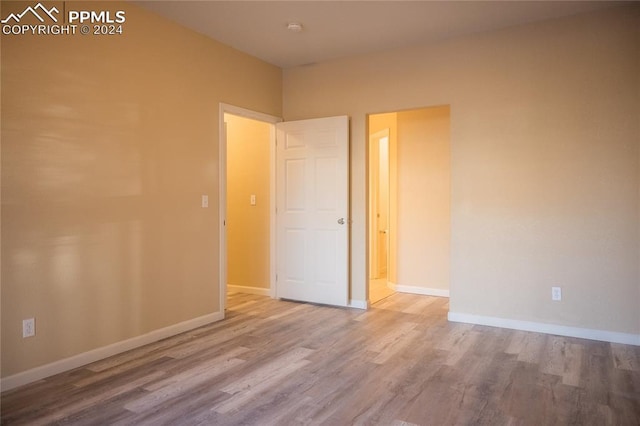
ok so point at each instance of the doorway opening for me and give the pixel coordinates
(247, 202)
(379, 214)
(409, 213)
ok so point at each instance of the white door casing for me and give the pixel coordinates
(312, 224)
(222, 200)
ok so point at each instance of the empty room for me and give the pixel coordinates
(319, 212)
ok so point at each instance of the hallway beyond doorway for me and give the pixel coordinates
(409, 177)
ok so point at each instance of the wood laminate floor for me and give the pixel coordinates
(379, 289)
(400, 363)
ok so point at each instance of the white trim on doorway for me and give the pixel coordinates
(222, 191)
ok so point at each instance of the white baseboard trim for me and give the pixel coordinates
(94, 355)
(249, 290)
(358, 304)
(419, 290)
(560, 330)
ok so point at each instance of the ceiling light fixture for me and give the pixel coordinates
(295, 27)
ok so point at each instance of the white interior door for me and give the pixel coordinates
(312, 168)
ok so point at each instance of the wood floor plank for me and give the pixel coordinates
(420, 306)
(517, 342)
(120, 368)
(625, 357)
(403, 341)
(274, 362)
(532, 347)
(101, 397)
(211, 340)
(266, 371)
(572, 364)
(390, 337)
(179, 384)
(284, 313)
(259, 382)
(552, 357)
(463, 343)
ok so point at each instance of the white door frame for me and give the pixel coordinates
(222, 194)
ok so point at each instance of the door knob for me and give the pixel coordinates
(341, 221)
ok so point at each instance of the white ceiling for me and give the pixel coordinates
(334, 29)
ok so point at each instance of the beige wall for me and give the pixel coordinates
(544, 157)
(424, 186)
(108, 143)
(248, 151)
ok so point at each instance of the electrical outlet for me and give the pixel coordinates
(205, 201)
(28, 327)
(556, 293)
